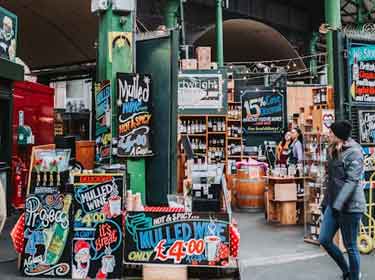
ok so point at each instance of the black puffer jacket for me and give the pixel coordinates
(344, 191)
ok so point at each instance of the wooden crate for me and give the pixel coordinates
(288, 215)
(163, 272)
(285, 192)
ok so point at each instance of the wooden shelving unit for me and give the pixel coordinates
(211, 137)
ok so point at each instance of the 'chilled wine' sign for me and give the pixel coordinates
(134, 116)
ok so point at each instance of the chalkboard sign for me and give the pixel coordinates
(366, 120)
(103, 117)
(47, 249)
(262, 111)
(134, 115)
(201, 92)
(97, 238)
(200, 239)
(362, 73)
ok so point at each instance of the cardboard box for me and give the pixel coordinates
(204, 57)
(164, 272)
(286, 192)
(189, 64)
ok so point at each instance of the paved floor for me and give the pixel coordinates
(271, 252)
(268, 252)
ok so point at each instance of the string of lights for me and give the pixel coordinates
(277, 60)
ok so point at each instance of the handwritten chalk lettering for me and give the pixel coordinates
(131, 107)
(133, 122)
(140, 256)
(95, 198)
(107, 236)
(46, 217)
(134, 91)
(135, 143)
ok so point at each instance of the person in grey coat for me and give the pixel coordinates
(344, 201)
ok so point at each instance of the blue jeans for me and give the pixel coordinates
(349, 225)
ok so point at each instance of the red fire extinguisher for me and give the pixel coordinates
(19, 180)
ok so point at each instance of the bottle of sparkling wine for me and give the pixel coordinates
(60, 232)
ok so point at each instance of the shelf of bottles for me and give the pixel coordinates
(234, 132)
(315, 165)
(207, 136)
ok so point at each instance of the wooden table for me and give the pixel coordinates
(281, 199)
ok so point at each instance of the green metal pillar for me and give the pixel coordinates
(333, 18)
(171, 13)
(219, 33)
(361, 12)
(116, 46)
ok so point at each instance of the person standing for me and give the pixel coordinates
(344, 201)
(296, 148)
(282, 152)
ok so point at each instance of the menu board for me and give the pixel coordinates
(47, 228)
(198, 239)
(103, 117)
(362, 73)
(97, 235)
(262, 111)
(134, 115)
(8, 34)
(366, 119)
(201, 91)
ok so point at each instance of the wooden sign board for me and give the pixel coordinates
(47, 249)
(97, 244)
(134, 97)
(198, 239)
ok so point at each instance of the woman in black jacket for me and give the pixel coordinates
(344, 200)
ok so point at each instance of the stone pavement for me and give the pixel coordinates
(268, 252)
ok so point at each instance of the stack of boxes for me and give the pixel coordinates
(202, 61)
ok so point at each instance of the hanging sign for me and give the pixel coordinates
(262, 111)
(366, 119)
(134, 115)
(97, 229)
(47, 228)
(103, 118)
(8, 34)
(362, 73)
(200, 239)
(201, 91)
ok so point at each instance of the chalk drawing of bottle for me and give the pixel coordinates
(355, 69)
(212, 243)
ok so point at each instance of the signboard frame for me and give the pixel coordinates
(176, 232)
(138, 116)
(195, 108)
(97, 239)
(103, 120)
(260, 94)
(360, 124)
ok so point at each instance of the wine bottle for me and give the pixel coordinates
(55, 247)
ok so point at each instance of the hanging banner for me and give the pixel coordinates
(134, 115)
(201, 91)
(262, 111)
(47, 241)
(97, 229)
(366, 120)
(103, 118)
(8, 34)
(362, 73)
(200, 239)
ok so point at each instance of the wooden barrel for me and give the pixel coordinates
(250, 193)
(85, 153)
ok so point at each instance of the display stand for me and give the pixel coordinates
(283, 201)
(316, 146)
